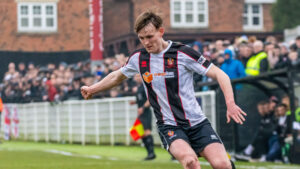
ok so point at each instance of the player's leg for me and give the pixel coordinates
(146, 119)
(148, 142)
(176, 142)
(206, 143)
(216, 155)
(183, 152)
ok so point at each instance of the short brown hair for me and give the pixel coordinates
(147, 17)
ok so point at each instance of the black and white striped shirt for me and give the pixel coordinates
(168, 82)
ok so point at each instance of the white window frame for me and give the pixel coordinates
(43, 28)
(260, 1)
(195, 12)
(250, 26)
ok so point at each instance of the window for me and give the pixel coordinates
(189, 13)
(37, 17)
(253, 17)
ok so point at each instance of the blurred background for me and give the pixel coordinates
(50, 48)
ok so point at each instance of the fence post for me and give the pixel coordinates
(111, 118)
(35, 123)
(25, 122)
(70, 123)
(127, 121)
(57, 122)
(46, 121)
(97, 123)
(82, 123)
(213, 109)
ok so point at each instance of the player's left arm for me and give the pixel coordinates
(233, 111)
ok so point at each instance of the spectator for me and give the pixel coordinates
(273, 101)
(22, 69)
(294, 58)
(52, 91)
(283, 58)
(273, 52)
(282, 130)
(11, 74)
(232, 67)
(197, 46)
(258, 62)
(245, 52)
(258, 148)
(297, 45)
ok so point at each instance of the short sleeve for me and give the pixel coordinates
(131, 67)
(195, 61)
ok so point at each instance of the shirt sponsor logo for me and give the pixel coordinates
(144, 64)
(148, 77)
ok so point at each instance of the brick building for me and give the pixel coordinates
(188, 20)
(48, 26)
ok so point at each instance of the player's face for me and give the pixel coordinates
(151, 38)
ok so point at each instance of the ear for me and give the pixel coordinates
(161, 31)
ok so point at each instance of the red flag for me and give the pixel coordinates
(137, 130)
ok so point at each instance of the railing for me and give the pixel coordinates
(104, 121)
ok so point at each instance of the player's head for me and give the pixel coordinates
(148, 27)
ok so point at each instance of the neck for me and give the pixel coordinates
(163, 46)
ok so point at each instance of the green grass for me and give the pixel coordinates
(30, 155)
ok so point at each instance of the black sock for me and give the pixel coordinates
(148, 142)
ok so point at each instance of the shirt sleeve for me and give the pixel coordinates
(195, 61)
(131, 67)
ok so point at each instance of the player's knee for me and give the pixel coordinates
(222, 164)
(190, 161)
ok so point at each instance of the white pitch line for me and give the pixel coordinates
(65, 153)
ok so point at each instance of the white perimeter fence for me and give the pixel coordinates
(103, 121)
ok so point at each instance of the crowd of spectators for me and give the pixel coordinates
(273, 139)
(59, 83)
(245, 56)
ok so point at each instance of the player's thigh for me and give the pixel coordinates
(215, 154)
(180, 149)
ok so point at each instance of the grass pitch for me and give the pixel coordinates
(30, 155)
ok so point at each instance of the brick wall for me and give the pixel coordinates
(268, 21)
(116, 18)
(72, 34)
(225, 15)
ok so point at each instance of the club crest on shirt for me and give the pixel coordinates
(170, 133)
(170, 63)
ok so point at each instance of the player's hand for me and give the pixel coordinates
(85, 92)
(140, 111)
(236, 113)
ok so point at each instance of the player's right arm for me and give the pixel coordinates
(111, 80)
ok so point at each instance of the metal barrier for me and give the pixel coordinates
(103, 121)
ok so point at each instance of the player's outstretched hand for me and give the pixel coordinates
(85, 92)
(236, 113)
